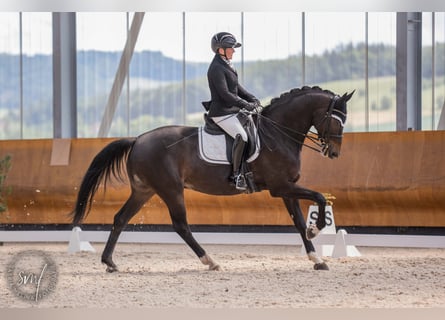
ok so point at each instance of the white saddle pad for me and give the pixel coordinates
(212, 148)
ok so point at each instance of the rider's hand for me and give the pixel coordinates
(256, 102)
(259, 108)
(250, 106)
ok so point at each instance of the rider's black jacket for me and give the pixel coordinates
(227, 95)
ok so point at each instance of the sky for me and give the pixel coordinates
(267, 35)
(275, 34)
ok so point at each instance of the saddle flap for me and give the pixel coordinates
(215, 146)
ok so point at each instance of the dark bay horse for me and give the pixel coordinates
(166, 160)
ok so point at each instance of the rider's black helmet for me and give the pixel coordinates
(224, 40)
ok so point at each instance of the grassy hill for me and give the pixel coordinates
(156, 95)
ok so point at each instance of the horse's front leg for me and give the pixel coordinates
(293, 207)
(296, 192)
(314, 229)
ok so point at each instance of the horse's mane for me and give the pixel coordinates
(286, 96)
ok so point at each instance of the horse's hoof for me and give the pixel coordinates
(209, 262)
(311, 232)
(215, 267)
(111, 269)
(321, 266)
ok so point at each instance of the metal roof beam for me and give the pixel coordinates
(121, 74)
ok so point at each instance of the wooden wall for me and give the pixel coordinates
(380, 179)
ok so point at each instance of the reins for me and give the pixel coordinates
(320, 141)
(281, 128)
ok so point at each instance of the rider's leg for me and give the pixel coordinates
(237, 157)
(234, 128)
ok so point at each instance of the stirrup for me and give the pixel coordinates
(240, 182)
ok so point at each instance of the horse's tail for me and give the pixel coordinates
(107, 163)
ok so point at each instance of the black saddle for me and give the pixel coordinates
(249, 126)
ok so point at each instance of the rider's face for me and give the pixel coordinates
(229, 52)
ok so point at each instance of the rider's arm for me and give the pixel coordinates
(219, 82)
(246, 95)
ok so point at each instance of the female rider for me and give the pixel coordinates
(228, 97)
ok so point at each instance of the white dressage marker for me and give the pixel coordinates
(324, 250)
(76, 245)
(339, 248)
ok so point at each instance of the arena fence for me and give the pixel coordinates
(388, 179)
(361, 240)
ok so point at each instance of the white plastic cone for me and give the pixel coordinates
(340, 247)
(75, 245)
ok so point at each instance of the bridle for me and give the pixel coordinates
(332, 114)
(321, 140)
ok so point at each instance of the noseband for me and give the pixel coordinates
(332, 114)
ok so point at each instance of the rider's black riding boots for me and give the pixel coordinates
(237, 157)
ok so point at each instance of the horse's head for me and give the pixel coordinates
(330, 124)
(296, 111)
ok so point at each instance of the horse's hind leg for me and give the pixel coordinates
(176, 207)
(129, 209)
(293, 207)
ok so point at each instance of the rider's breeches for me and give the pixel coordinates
(231, 125)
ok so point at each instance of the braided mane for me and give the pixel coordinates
(286, 96)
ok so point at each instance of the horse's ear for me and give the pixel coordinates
(347, 96)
